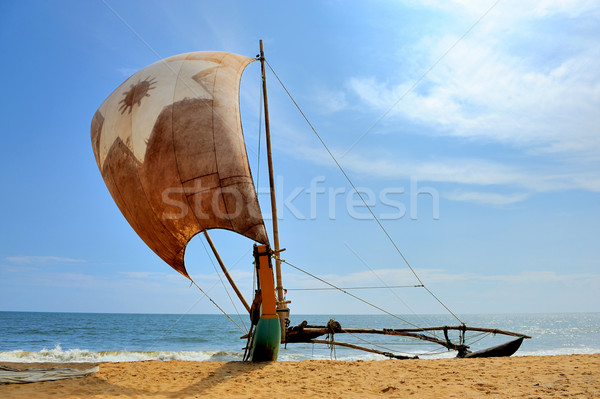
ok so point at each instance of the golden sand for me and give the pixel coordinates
(574, 376)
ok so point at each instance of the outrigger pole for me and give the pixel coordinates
(305, 333)
(282, 309)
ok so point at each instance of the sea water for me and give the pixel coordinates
(86, 337)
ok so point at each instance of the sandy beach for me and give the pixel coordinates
(574, 376)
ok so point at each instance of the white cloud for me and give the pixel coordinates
(404, 277)
(520, 182)
(465, 171)
(528, 291)
(513, 8)
(480, 93)
(486, 198)
(41, 259)
(540, 277)
(572, 8)
(516, 78)
(497, 86)
(469, 171)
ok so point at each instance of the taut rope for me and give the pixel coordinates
(360, 196)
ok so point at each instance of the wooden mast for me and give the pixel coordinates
(281, 303)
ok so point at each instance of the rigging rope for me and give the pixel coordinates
(222, 311)
(384, 283)
(332, 326)
(172, 326)
(168, 330)
(224, 287)
(416, 83)
(359, 195)
(353, 296)
(472, 338)
(371, 343)
(353, 288)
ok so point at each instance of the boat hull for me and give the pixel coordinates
(266, 340)
(503, 350)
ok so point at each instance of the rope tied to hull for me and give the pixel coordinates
(462, 348)
(447, 338)
(332, 328)
(221, 280)
(351, 295)
(218, 307)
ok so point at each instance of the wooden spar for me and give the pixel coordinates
(412, 333)
(279, 287)
(362, 348)
(399, 331)
(231, 282)
(465, 328)
(422, 337)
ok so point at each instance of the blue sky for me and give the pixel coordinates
(472, 128)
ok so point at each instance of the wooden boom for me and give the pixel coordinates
(306, 333)
(362, 348)
(465, 328)
(423, 337)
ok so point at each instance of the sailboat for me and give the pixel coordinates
(170, 147)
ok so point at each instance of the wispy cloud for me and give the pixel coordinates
(433, 276)
(518, 82)
(508, 8)
(41, 259)
(461, 171)
(519, 79)
(539, 277)
(486, 198)
(480, 93)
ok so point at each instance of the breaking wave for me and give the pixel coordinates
(58, 355)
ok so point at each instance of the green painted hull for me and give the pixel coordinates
(266, 340)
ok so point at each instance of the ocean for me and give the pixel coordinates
(87, 337)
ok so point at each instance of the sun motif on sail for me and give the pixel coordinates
(135, 94)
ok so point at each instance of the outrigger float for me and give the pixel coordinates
(169, 145)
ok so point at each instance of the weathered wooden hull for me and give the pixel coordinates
(504, 350)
